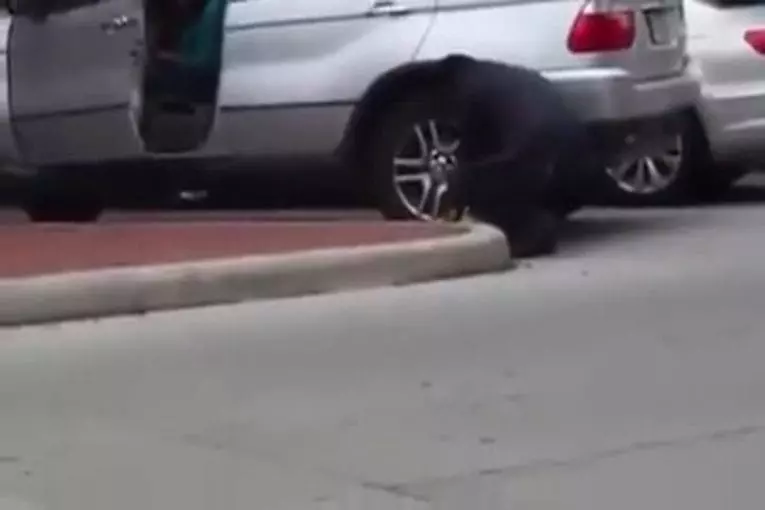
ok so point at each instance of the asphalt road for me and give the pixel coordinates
(626, 372)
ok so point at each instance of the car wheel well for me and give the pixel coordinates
(697, 124)
(392, 87)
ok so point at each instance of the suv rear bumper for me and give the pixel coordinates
(628, 139)
(602, 95)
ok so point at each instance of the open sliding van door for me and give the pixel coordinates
(74, 76)
(295, 69)
(182, 73)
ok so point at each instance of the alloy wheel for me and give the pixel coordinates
(650, 174)
(425, 168)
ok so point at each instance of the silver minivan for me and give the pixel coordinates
(323, 80)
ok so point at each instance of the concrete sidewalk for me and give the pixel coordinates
(62, 272)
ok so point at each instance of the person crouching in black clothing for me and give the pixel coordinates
(523, 155)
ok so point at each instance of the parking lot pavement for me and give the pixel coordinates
(624, 372)
(624, 232)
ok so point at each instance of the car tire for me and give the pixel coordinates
(621, 184)
(530, 234)
(62, 196)
(696, 178)
(419, 128)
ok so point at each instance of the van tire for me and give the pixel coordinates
(62, 196)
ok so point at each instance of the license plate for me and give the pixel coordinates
(664, 26)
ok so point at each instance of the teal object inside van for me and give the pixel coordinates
(202, 42)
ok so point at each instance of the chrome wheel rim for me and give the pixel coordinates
(424, 170)
(650, 174)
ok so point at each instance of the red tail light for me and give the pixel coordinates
(602, 31)
(756, 39)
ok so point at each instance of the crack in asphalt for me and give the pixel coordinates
(394, 490)
(586, 460)
(256, 454)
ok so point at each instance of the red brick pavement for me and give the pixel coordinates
(27, 250)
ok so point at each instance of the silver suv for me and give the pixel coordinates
(327, 79)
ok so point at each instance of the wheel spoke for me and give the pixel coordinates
(438, 197)
(410, 162)
(641, 175)
(427, 187)
(421, 177)
(655, 177)
(440, 144)
(434, 136)
(422, 141)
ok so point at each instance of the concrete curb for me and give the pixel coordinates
(124, 291)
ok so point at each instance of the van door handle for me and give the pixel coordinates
(118, 23)
(388, 8)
